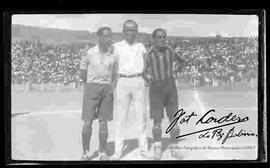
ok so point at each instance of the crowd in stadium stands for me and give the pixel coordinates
(37, 63)
(220, 59)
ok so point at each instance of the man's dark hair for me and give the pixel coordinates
(130, 21)
(157, 30)
(101, 29)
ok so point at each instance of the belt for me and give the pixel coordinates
(130, 76)
(164, 81)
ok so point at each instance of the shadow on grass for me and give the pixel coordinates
(132, 144)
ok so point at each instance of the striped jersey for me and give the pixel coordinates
(160, 63)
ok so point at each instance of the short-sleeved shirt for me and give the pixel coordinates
(161, 62)
(99, 65)
(130, 57)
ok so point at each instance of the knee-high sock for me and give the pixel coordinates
(103, 135)
(174, 133)
(86, 135)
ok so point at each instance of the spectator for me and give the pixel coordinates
(35, 62)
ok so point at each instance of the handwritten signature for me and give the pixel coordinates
(219, 133)
(180, 117)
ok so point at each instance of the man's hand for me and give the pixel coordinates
(83, 75)
(114, 84)
(147, 79)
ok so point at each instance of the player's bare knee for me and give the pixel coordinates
(87, 126)
(103, 126)
(157, 131)
(157, 127)
(175, 132)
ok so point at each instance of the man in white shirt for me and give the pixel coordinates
(130, 87)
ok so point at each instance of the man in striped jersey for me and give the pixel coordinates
(163, 92)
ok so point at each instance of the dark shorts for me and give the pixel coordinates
(97, 102)
(163, 96)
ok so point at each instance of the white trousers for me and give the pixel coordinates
(128, 90)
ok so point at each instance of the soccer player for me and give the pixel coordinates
(97, 69)
(163, 91)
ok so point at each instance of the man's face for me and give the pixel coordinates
(130, 32)
(160, 38)
(106, 38)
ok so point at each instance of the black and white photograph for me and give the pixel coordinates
(134, 87)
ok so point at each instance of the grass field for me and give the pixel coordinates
(46, 125)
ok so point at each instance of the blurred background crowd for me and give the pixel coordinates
(210, 59)
(41, 63)
(220, 59)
